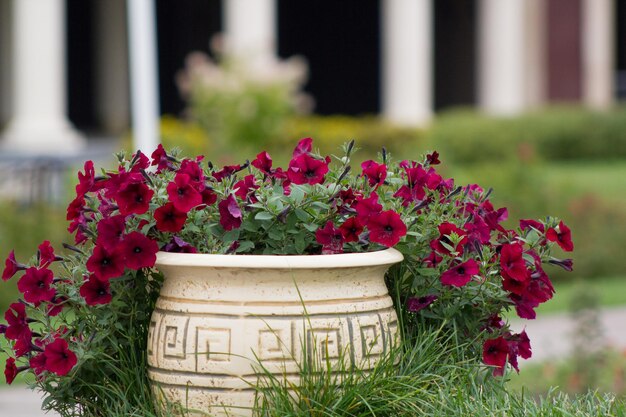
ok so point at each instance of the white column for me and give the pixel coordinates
(143, 74)
(250, 29)
(501, 69)
(597, 52)
(5, 61)
(407, 61)
(111, 52)
(39, 123)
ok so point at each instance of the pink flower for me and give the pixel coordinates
(386, 228)
(460, 275)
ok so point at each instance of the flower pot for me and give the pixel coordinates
(218, 316)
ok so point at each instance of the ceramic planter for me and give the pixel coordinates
(216, 313)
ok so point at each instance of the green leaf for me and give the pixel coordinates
(264, 215)
(245, 246)
(302, 215)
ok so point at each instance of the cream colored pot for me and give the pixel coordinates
(218, 316)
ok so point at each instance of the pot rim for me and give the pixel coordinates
(343, 260)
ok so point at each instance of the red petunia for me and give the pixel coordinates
(209, 197)
(495, 353)
(460, 275)
(227, 171)
(45, 253)
(111, 230)
(133, 198)
(182, 193)
(96, 291)
(179, 246)
(305, 169)
(330, 238)
(11, 267)
(374, 172)
(10, 370)
(161, 159)
(59, 358)
(366, 207)
(512, 262)
(562, 235)
(169, 218)
(443, 244)
(17, 322)
(386, 228)
(106, 263)
(230, 213)
(351, 229)
(139, 251)
(245, 188)
(75, 208)
(304, 146)
(531, 224)
(415, 304)
(38, 363)
(193, 170)
(433, 158)
(263, 163)
(35, 285)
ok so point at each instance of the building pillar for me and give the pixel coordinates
(535, 52)
(502, 50)
(598, 34)
(144, 77)
(39, 123)
(407, 61)
(250, 28)
(112, 99)
(5, 61)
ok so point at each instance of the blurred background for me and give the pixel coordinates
(525, 96)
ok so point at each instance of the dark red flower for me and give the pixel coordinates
(461, 274)
(160, 159)
(11, 267)
(23, 346)
(443, 244)
(495, 353)
(96, 291)
(45, 253)
(566, 264)
(182, 193)
(433, 158)
(305, 169)
(139, 162)
(531, 224)
(169, 218)
(351, 229)
(179, 246)
(133, 198)
(330, 238)
(193, 170)
(139, 251)
(111, 230)
(524, 305)
(38, 363)
(230, 213)
(75, 208)
(227, 171)
(59, 358)
(35, 285)
(86, 181)
(514, 286)
(374, 172)
(523, 345)
(367, 207)
(415, 304)
(304, 146)
(263, 163)
(106, 263)
(209, 197)
(562, 235)
(432, 260)
(17, 322)
(56, 305)
(245, 188)
(10, 370)
(386, 228)
(512, 262)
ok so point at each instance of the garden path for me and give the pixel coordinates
(550, 338)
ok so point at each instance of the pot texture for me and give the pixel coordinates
(218, 316)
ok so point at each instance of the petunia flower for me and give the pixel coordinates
(562, 235)
(225, 172)
(460, 275)
(38, 363)
(304, 169)
(183, 194)
(133, 198)
(443, 244)
(193, 170)
(17, 322)
(366, 207)
(35, 285)
(179, 246)
(96, 291)
(10, 370)
(330, 238)
(304, 146)
(512, 262)
(525, 224)
(495, 353)
(106, 263)
(351, 229)
(263, 163)
(415, 304)
(59, 358)
(230, 213)
(111, 230)
(11, 267)
(161, 159)
(139, 251)
(245, 188)
(45, 253)
(169, 218)
(386, 228)
(374, 172)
